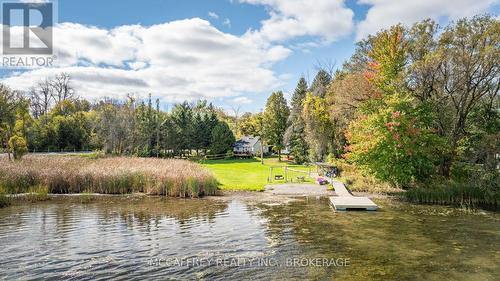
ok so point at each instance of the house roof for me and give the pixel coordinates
(246, 141)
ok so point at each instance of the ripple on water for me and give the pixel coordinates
(118, 240)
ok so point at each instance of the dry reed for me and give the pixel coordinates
(115, 175)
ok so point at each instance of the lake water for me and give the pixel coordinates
(206, 239)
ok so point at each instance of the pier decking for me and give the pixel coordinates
(345, 201)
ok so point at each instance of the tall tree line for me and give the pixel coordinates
(412, 103)
(422, 101)
(141, 128)
(50, 117)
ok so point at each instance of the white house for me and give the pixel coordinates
(248, 145)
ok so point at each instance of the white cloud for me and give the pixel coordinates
(136, 65)
(242, 100)
(191, 59)
(326, 19)
(185, 59)
(227, 22)
(384, 13)
(213, 15)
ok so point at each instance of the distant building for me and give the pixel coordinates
(248, 145)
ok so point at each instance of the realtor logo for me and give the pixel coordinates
(27, 28)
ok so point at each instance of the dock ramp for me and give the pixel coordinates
(345, 201)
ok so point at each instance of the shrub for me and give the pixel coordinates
(18, 147)
(359, 181)
(229, 155)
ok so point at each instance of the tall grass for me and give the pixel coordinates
(473, 193)
(116, 175)
(38, 193)
(4, 200)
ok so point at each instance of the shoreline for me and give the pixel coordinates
(225, 195)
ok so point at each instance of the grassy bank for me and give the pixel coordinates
(116, 175)
(250, 174)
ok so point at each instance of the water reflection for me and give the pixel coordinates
(123, 238)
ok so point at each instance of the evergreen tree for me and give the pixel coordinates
(298, 96)
(295, 133)
(222, 139)
(210, 120)
(182, 117)
(197, 134)
(320, 83)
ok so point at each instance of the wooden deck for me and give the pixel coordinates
(345, 201)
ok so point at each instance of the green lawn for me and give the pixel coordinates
(250, 174)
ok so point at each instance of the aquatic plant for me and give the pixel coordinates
(86, 197)
(38, 193)
(114, 175)
(4, 200)
(469, 195)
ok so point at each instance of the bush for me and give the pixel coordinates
(18, 147)
(229, 155)
(360, 181)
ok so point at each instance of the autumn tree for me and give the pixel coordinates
(346, 94)
(393, 137)
(396, 143)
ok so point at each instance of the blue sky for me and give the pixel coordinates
(232, 52)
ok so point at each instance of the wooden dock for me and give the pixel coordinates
(345, 201)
